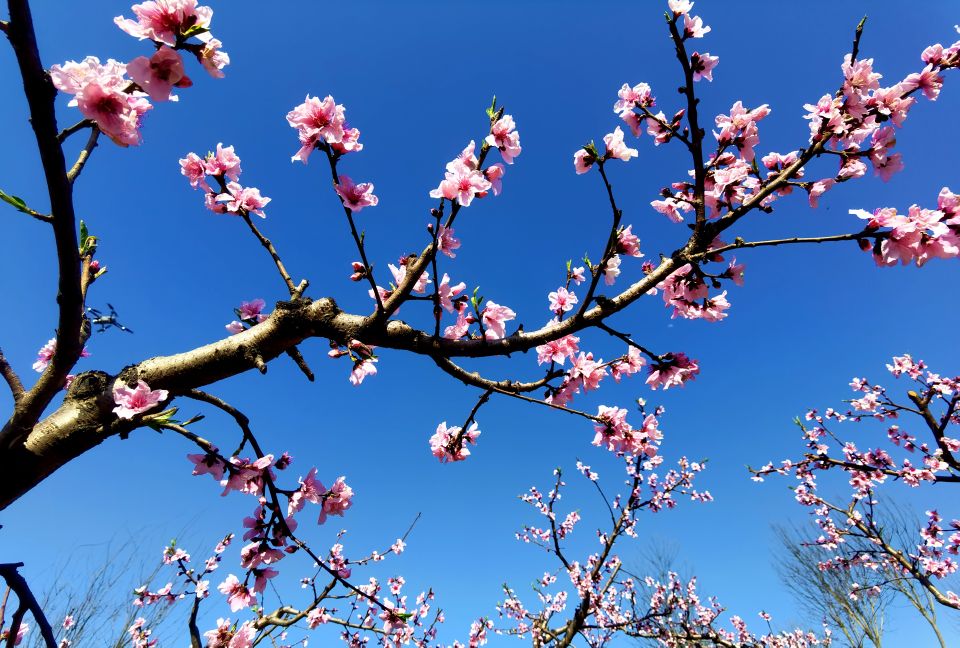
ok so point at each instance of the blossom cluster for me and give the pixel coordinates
(914, 237)
(114, 94)
(905, 458)
(223, 167)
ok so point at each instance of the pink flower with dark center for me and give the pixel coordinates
(208, 464)
(446, 241)
(461, 183)
(504, 136)
(116, 113)
(252, 311)
(317, 121)
(558, 350)
(582, 161)
(238, 595)
(164, 20)
(628, 243)
(337, 500)
(195, 170)
(702, 65)
(442, 439)
(675, 369)
(637, 96)
(561, 300)
(131, 402)
(355, 196)
(464, 319)
(225, 162)
(245, 198)
(158, 74)
(694, 27)
(494, 320)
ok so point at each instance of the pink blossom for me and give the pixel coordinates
(631, 364)
(158, 74)
(212, 58)
(558, 350)
(504, 136)
(562, 300)
(694, 27)
(131, 402)
(195, 170)
(494, 318)
(225, 162)
(446, 242)
(208, 464)
(238, 595)
(616, 147)
(628, 243)
(117, 114)
(235, 327)
(702, 65)
(819, 188)
(675, 369)
(337, 500)
(251, 310)
(577, 275)
(68, 622)
(461, 183)
(582, 161)
(927, 81)
(670, 207)
(447, 292)
(164, 20)
(355, 196)
(630, 98)
(46, 353)
(680, 7)
(248, 199)
(317, 122)
(464, 319)
(361, 369)
(611, 269)
(443, 438)
(494, 173)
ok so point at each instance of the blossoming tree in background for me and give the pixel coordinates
(589, 599)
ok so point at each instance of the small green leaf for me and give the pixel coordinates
(196, 30)
(15, 201)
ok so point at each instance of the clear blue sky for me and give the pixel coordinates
(415, 78)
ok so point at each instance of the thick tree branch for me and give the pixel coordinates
(40, 95)
(13, 380)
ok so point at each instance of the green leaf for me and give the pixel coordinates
(15, 201)
(195, 31)
(84, 233)
(492, 110)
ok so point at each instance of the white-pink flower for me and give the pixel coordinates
(130, 402)
(355, 196)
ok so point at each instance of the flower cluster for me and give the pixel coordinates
(249, 314)
(905, 458)
(914, 237)
(117, 104)
(322, 124)
(448, 443)
(230, 197)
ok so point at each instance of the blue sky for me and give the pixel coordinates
(415, 78)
